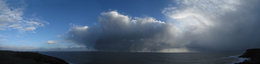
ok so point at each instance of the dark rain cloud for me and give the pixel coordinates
(117, 32)
(197, 25)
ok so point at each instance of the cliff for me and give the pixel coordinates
(253, 55)
(10, 57)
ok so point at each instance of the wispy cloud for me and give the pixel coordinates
(51, 42)
(12, 18)
(3, 40)
(2, 35)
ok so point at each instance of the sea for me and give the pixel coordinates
(145, 58)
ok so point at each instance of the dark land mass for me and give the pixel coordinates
(253, 56)
(11, 57)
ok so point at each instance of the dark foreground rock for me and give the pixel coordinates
(253, 55)
(10, 57)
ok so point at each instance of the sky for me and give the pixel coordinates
(129, 25)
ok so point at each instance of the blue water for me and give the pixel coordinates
(144, 58)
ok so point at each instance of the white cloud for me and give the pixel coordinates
(12, 18)
(51, 42)
(217, 25)
(192, 25)
(79, 28)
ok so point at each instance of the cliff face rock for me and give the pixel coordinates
(253, 55)
(10, 57)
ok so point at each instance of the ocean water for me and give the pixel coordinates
(145, 58)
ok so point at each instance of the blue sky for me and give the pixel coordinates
(60, 15)
(130, 25)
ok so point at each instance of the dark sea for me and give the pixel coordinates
(145, 58)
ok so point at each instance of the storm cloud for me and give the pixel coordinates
(118, 32)
(192, 25)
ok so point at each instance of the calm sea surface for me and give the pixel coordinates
(144, 58)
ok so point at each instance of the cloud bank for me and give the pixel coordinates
(217, 25)
(12, 18)
(192, 25)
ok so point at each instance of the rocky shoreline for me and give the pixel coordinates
(253, 56)
(11, 57)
